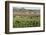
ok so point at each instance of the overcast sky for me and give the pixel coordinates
(28, 6)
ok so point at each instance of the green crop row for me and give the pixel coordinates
(26, 21)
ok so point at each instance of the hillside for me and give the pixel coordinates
(23, 11)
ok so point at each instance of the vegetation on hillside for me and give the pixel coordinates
(23, 17)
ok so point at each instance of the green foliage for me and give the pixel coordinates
(26, 21)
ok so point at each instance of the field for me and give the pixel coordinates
(26, 21)
(23, 17)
